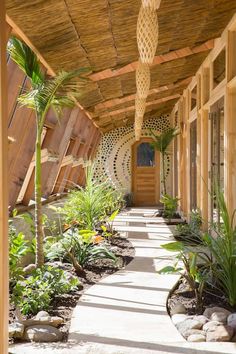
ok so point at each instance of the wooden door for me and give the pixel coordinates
(145, 173)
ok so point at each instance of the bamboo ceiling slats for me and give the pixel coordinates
(101, 35)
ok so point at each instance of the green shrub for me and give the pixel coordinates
(170, 205)
(79, 247)
(190, 232)
(221, 242)
(90, 205)
(36, 292)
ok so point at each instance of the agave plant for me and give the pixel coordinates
(161, 143)
(44, 93)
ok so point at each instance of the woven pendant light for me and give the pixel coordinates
(137, 134)
(147, 34)
(143, 80)
(140, 104)
(154, 4)
(138, 126)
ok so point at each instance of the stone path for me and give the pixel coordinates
(125, 313)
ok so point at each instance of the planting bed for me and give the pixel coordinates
(63, 305)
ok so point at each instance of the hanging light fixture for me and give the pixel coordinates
(140, 105)
(147, 34)
(142, 80)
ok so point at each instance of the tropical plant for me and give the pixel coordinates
(80, 247)
(221, 242)
(161, 143)
(170, 205)
(37, 291)
(18, 248)
(44, 93)
(190, 232)
(192, 264)
(90, 205)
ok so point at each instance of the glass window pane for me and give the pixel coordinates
(145, 155)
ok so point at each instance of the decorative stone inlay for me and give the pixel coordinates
(113, 159)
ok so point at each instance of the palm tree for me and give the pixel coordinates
(44, 93)
(161, 143)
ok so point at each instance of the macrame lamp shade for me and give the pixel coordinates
(153, 4)
(140, 105)
(142, 80)
(147, 34)
(138, 126)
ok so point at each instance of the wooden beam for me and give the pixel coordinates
(159, 59)
(4, 276)
(117, 101)
(132, 108)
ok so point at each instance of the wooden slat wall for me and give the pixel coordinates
(74, 125)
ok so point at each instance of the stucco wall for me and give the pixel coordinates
(113, 158)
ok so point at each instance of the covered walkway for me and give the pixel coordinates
(126, 312)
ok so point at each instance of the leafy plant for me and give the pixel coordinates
(80, 247)
(192, 264)
(170, 205)
(190, 232)
(18, 248)
(221, 242)
(88, 206)
(45, 93)
(36, 292)
(161, 143)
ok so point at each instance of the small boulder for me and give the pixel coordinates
(42, 333)
(190, 332)
(16, 330)
(56, 321)
(178, 308)
(42, 314)
(210, 310)
(196, 338)
(210, 326)
(179, 317)
(29, 269)
(222, 333)
(219, 317)
(231, 320)
(188, 324)
(200, 318)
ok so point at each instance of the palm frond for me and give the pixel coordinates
(162, 141)
(26, 59)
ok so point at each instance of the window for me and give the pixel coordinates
(145, 155)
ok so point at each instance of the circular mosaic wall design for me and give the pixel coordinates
(113, 158)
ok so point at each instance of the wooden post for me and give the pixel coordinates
(4, 277)
(204, 195)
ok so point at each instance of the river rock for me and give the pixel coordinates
(191, 332)
(179, 317)
(42, 314)
(219, 317)
(56, 321)
(196, 338)
(232, 320)
(16, 330)
(221, 333)
(188, 324)
(210, 310)
(200, 318)
(178, 308)
(42, 333)
(211, 326)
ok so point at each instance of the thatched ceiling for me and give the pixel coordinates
(101, 34)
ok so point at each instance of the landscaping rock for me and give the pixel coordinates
(232, 320)
(29, 269)
(211, 326)
(221, 333)
(196, 338)
(210, 310)
(56, 321)
(42, 314)
(188, 324)
(191, 332)
(200, 318)
(178, 308)
(179, 317)
(16, 330)
(42, 333)
(219, 317)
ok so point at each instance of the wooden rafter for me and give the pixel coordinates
(159, 59)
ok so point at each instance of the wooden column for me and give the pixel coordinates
(204, 195)
(4, 277)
